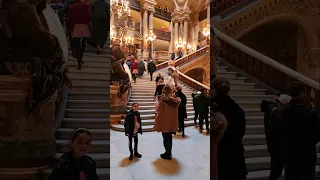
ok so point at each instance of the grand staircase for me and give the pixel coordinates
(88, 107)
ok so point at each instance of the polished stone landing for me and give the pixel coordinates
(191, 157)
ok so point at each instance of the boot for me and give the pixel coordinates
(183, 134)
(131, 155)
(166, 156)
(79, 64)
(136, 154)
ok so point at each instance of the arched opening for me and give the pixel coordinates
(279, 40)
(197, 74)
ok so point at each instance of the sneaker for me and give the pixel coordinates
(165, 156)
(136, 154)
(131, 157)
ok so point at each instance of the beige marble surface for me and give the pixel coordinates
(191, 157)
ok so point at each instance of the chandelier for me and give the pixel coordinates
(121, 9)
(180, 44)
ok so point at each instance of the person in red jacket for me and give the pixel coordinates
(134, 70)
(79, 16)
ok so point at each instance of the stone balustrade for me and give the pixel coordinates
(162, 56)
(161, 34)
(27, 142)
(191, 82)
(263, 68)
(186, 58)
(118, 105)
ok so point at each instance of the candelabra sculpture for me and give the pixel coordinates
(150, 38)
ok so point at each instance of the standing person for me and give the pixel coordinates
(230, 153)
(196, 114)
(145, 65)
(141, 68)
(134, 70)
(175, 76)
(173, 56)
(158, 92)
(300, 134)
(151, 68)
(182, 110)
(75, 164)
(100, 24)
(273, 133)
(198, 47)
(79, 16)
(202, 103)
(159, 76)
(179, 54)
(132, 127)
(166, 120)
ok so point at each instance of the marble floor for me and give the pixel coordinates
(191, 157)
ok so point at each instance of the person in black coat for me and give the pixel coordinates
(273, 133)
(173, 56)
(182, 109)
(196, 114)
(300, 134)
(132, 125)
(230, 156)
(202, 103)
(75, 165)
(151, 68)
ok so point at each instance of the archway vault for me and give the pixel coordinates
(303, 13)
(202, 63)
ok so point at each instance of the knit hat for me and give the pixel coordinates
(284, 98)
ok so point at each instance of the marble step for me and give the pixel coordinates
(255, 120)
(263, 163)
(88, 104)
(96, 146)
(103, 174)
(90, 81)
(254, 139)
(90, 65)
(79, 74)
(90, 69)
(92, 59)
(81, 87)
(88, 72)
(87, 113)
(264, 174)
(147, 107)
(73, 95)
(90, 123)
(97, 134)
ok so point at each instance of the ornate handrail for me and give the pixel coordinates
(185, 59)
(263, 68)
(191, 82)
(162, 34)
(60, 112)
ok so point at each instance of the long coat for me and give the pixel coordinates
(100, 21)
(182, 110)
(167, 117)
(230, 151)
(129, 123)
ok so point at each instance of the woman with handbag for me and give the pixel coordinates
(79, 16)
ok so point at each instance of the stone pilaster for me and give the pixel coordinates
(176, 33)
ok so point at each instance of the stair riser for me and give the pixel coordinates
(87, 125)
(254, 131)
(90, 65)
(89, 97)
(190, 106)
(105, 62)
(94, 148)
(92, 69)
(95, 136)
(249, 106)
(242, 86)
(89, 71)
(221, 70)
(89, 89)
(227, 75)
(87, 114)
(256, 153)
(255, 122)
(96, 58)
(259, 99)
(80, 74)
(89, 105)
(101, 177)
(237, 81)
(91, 81)
(255, 141)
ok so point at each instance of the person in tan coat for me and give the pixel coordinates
(167, 118)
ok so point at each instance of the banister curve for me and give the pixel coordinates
(267, 60)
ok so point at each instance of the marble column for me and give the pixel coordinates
(176, 33)
(145, 28)
(185, 35)
(151, 20)
(141, 20)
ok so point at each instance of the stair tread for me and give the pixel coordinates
(94, 142)
(69, 130)
(94, 156)
(93, 120)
